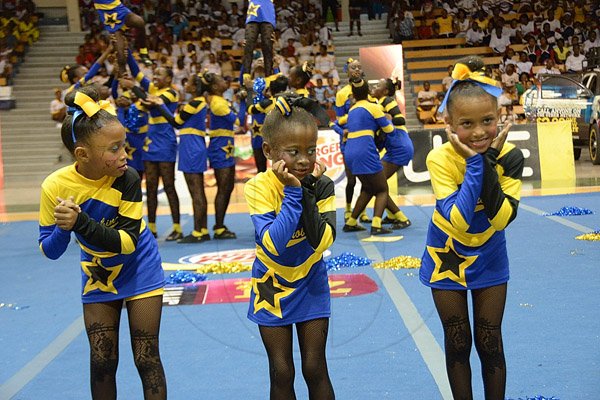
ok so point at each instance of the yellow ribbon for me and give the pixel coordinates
(90, 107)
(461, 72)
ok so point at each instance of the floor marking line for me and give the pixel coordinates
(18, 381)
(560, 220)
(430, 350)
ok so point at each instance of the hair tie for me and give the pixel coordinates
(64, 74)
(85, 104)
(283, 106)
(461, 72)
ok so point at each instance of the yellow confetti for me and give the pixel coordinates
(213, 268)
(384, 239)
(594, 236)
(399, 262)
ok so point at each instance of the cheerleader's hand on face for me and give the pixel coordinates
(319, 170)
(498, 142)
(282, 173)
(65, 213)
(462, 149)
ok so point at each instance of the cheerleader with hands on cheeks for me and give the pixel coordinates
(476, 179)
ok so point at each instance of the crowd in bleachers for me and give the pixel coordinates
(18, 31)
(531, 37)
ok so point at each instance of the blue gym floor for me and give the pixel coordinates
(383, 345)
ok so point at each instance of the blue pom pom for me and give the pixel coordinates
(131, 119)
(346, 260)
(259, 86)
(570, 211)
(185, 277)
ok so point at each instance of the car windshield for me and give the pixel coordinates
(556, 87)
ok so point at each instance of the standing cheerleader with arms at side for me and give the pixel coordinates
(191, 122)
(292, 207)
(476, 179)
(99, 199)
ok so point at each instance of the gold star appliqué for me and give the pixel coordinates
(228, 150)
(129, 150)
(111, 20)
(449, 264)
(253, 9)
(269, 293)
(256, 129)
(147, 142)
(100, 277)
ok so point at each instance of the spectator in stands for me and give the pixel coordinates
(319, 91)
(227, 65)
(546, 51)
(445, 24)
(330, 5)
(509, 96)
(475, 35)
(526, 25)
(524, 65)
(304, 52)
(212, 65)
(591, 42)
(549, 68)
(508, 117)
(426, 102)
(509, 77)
(561, 51)
(325, 64)
(84, 58)
(499, 41)
(552, 21)
(574, 62)
(508, 58)
(238, 34)
(403, 28)
(447, 81)
(180, 71)
(461, 23)
(551, 36)
(58, 109)
(533, 50)
(235, 14)
(330, 91)
(524, 83)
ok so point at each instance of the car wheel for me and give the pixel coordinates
(595, 157)
(577, 152)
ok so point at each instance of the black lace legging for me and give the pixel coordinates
(253, 29)
(488, 310)
(312, 338)
(102, 326)
(166, 172)
(195, 183)
(225, 181)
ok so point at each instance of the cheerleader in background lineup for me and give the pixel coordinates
(399, 149)
(117, 18)
(160, 149)
(221, 148)
(259, 111)
(362, 157)
(343, 102)
(476, 179)
(191, 122)
(99, 199)
(292, 207)
(78, 75)
(300, 75)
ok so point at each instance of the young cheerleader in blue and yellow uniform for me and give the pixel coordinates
(160, 149)
(292, 207)
(99, 199)
(78, 75)
(221, 148)
(399, 149)
(191, 122)
(362, 157)
(260, 20)
(476, 179)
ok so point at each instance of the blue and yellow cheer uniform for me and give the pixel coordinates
(222, 120)
(161, 141)
(259, 112)
(192, 132)
(293, 227)
(119, 255)
(261, 11)
(476, 199)
(364, 119)
(399, 149)
(112, 14)
(135, 121)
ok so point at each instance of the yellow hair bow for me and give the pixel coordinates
(461, 72)
(90, 107)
